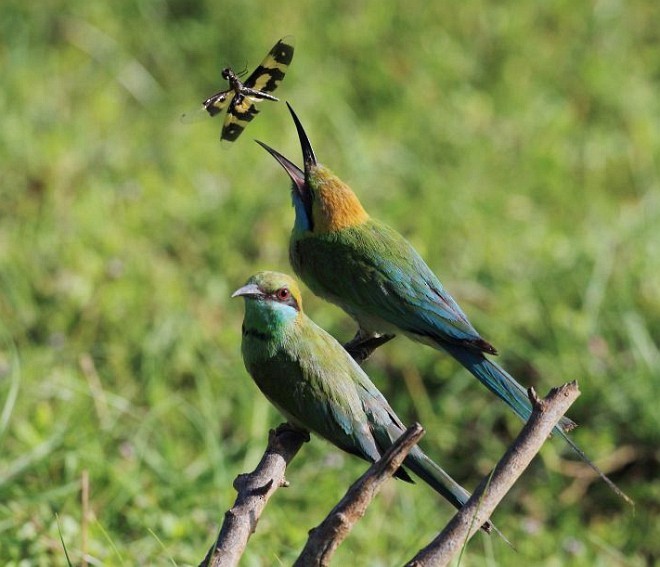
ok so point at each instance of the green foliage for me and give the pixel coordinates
(515, 144)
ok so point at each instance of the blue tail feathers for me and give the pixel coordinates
(503, 385)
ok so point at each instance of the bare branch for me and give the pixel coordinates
(254, 491)
(328, 535)
(493, 488)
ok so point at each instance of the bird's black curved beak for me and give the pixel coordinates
(309, 159)
(297, 175)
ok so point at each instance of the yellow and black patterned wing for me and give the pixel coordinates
(262, 81)
(212, 106)
(270, 73)
(241, 111)
(216, 103)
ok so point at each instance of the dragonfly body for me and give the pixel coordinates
(216, 102)
(241, 97)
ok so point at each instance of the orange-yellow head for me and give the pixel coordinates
(322, 201)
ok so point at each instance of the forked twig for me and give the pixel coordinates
(328, 535)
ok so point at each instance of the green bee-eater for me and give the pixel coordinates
(376, 276)
(309, 377)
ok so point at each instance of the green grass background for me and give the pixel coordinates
(517, 145)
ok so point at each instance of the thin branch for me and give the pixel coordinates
(328, 535)
(493, 488)
(254, 491)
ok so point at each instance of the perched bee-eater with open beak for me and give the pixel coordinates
(309, 377)
(376, 276)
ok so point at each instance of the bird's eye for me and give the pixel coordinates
(283, 294)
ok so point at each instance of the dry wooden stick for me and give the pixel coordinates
(328, 535)
(493, 488)
(254, 491)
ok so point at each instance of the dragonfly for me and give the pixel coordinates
(241, 97)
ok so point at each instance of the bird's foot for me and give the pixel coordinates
(288, 427)
(363, 345)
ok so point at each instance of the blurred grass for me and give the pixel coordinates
(516, 145)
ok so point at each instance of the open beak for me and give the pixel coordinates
(309, 159)
(297, 175)
(249, 290)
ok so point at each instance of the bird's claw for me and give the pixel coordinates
(363, 345)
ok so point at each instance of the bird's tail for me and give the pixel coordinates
(422, 466)
(596, 469)
(436, 478)
(503, 385)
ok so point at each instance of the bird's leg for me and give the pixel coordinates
(288, 427)
(364, 343)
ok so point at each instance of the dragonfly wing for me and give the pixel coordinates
(238, 116)
(216, 103)
(270, 73)
(195, 115)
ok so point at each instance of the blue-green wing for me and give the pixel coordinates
(313, 384)
(373, 272)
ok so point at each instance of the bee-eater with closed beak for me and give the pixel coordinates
(376, 276)
(309, 377)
